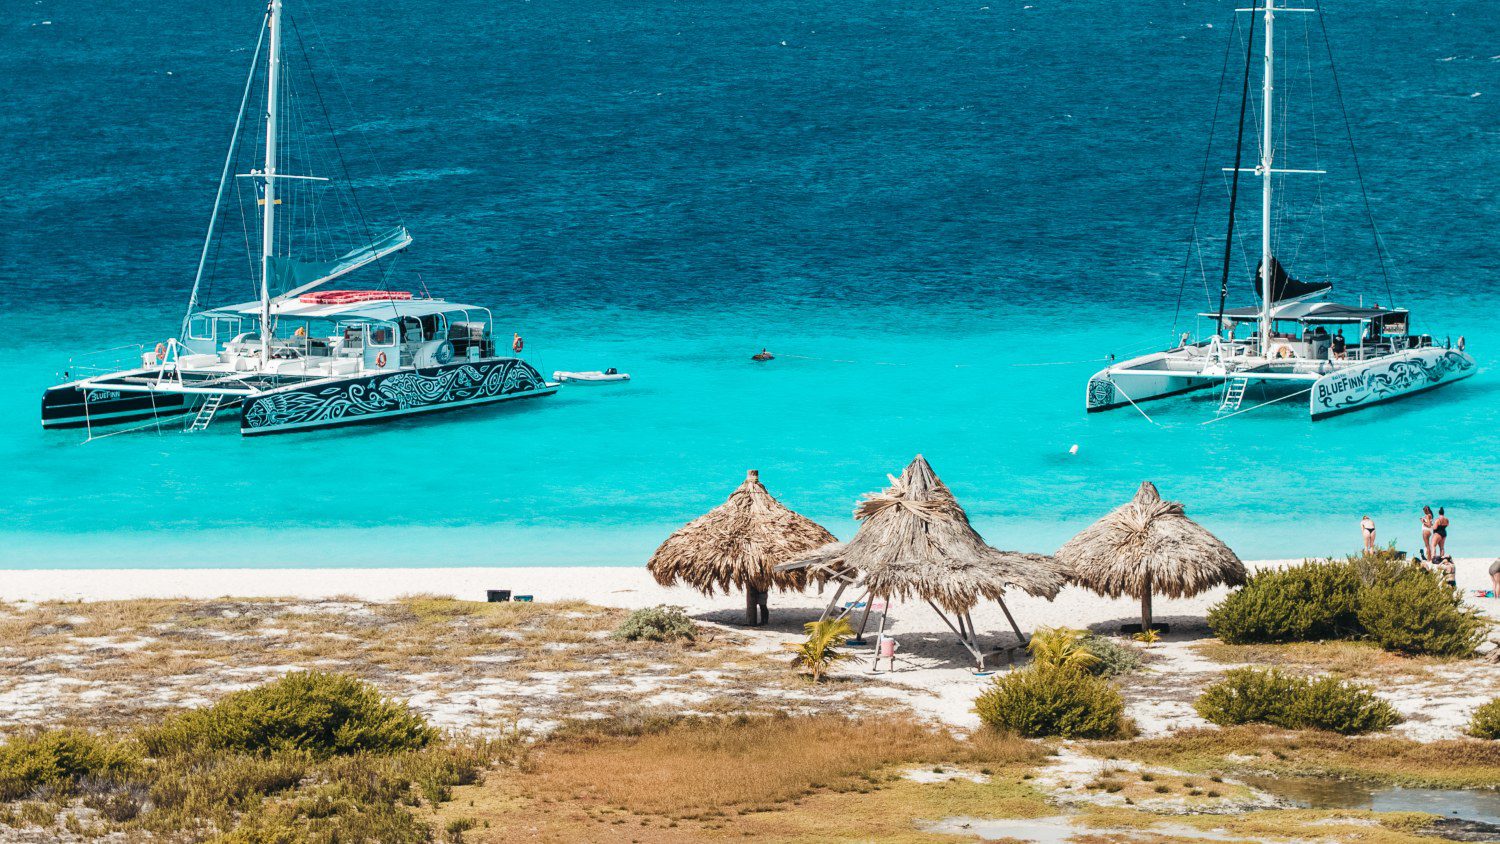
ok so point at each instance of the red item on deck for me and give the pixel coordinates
(349, 297)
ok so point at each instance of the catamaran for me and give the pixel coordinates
(1296, 342)
(301, 356)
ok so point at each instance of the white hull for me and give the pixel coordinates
(1332, 387)
(1386, 379)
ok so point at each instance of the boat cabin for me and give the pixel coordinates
(1312, 330)
(340, 333)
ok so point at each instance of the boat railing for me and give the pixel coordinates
(105, 361)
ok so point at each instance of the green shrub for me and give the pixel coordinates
(1391, 601)
(657, 624)
(58, 760)
(1313, 600)
(1113, 658)
(1248, 695)
(316, 713)
(1486, 721)
(1043, 700)
(1244, 696)
(1327, 703)
(1408, 610)
(1061, 647)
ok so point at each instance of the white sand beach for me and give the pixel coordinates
(933, 675)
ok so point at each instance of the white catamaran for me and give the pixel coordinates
(1299, 344)
(301, 356)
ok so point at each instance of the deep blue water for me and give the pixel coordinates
(909, 202)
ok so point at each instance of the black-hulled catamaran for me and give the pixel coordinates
(1342, 357)
(301, 356)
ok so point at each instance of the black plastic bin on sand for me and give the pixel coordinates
(496, 596)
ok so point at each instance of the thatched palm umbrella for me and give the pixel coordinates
(916, 541)
(1148, 546)
(737, 545)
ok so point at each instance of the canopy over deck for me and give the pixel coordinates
(379, 311)
(1327, 312)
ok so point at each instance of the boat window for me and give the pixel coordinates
(226, 326)
(200, 328)
(382, 335)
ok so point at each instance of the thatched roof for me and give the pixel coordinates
(1148, 540)
(916, 541)
(737, 545)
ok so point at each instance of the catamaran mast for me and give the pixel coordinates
(1266, 156)
(268, 218)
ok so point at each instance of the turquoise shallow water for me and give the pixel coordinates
(911, 206)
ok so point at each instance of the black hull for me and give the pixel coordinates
(70, 406)
(337, 403)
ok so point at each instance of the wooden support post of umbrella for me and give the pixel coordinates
(1147, 547)
(915, 541)
(737, 545)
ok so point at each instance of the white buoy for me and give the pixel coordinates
(1074, 449)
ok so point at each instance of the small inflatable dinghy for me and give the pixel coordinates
(592, 377)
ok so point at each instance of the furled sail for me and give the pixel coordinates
(291, 276)
(1284, 287)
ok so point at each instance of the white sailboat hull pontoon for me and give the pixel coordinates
(1295, 344)
(1330, 389)
(300, 356)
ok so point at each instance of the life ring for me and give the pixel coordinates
(380, 360)
(517, 344)
(161, 352)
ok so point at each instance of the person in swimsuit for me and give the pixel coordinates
(1447, 572)
(1427, 531)
(1440, 534)
(1495, 578)
(1367, 524)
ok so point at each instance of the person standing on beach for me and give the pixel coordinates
(1440, 535)
(1367, 525)
(1495, 578)
(1427, 531)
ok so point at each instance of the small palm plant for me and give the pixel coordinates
(1061, 647)
(821, 650)
(1147, 637)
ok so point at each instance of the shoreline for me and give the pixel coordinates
(619, 586)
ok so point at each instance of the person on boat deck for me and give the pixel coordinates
(1440, 535)
(1367, 525)
(1339, 345)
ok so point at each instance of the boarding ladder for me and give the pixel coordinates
(1234, 395)
(206, 412)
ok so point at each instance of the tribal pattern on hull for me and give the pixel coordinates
(1101, 392)
(390, 394)
(1380, 381)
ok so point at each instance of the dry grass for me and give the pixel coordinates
(1347, 659)
(1463, 763)
(801, 778)
(710, 766)
(1269, 825)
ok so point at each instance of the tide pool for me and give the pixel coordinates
(941, 219)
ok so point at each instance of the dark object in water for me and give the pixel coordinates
(763, 356)
(496, 596)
